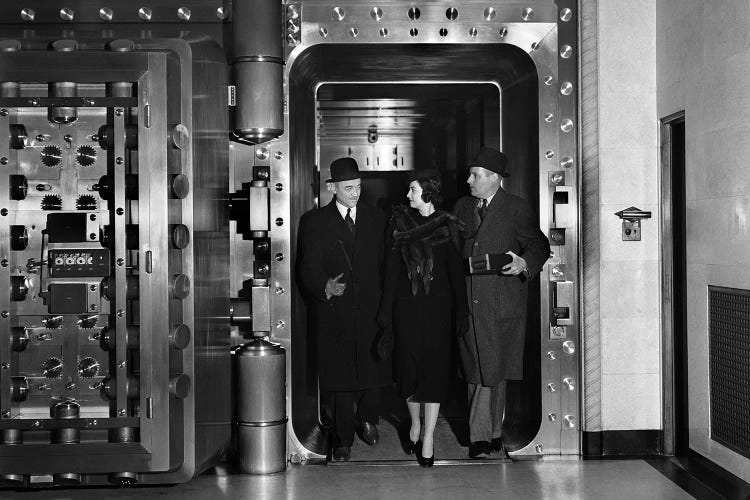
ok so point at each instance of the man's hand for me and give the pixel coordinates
(333, 287)
(517, 265)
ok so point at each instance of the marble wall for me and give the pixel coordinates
(629, 288)
(703, 63)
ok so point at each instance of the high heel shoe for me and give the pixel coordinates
(427, 462)
(412, 446)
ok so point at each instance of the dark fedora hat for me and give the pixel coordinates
(344, 169)
(492, 160)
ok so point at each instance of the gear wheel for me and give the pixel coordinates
(86, 322)
(88, 367)
(51, 156)
(52, 202)
(85, 156)
(52, 367)
(86, 202)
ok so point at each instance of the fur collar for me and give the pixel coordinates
(415, 239)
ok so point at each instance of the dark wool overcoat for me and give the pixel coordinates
(346, 325)
(492, 351)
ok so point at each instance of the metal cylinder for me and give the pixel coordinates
(62, 114)
(257, 68)
(12, 437)
(66, 410)
(260, 375)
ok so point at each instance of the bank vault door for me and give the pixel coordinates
(529, 53)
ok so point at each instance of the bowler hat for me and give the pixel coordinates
(344, 169)
(492, 160)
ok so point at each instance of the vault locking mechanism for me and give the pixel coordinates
(631, 222)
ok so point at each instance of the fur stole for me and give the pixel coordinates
(415, 240)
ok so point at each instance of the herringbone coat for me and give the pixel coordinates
(492, 350)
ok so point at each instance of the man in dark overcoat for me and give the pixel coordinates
(340, 266)
(491, 351)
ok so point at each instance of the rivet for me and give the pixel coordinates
(222, 13)
(121, 364)
(279, 186)
(376, 13)
(184, 13)
(280, 324)
(119, 211)
(278, 155)
(3, 112)
(145, 13)
(548, 117)
(503, 32)
(552, 417)
(566, 162)
(473, 32)
(27, 14)
(566, 14)
(106, 14)
(569, 347)
(566, 51)
(121, 412)
(67, 14)
(3, 211)
(280, 290)
(279, 257)
(549, 154)
(551, 354)
(323, 32)
(353, 32)
(413, 32)
(539, 448)
(4, 160)
(120, 313)
(120, 262)
(527, 14)
(566, 88)
(489, 13)
(566, 125)
(338, 13)
(383, 32)
(4, 314)
(548, 80)
(279, 221)
(4, 262)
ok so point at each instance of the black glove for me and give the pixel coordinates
(385, 343)
(462, 324)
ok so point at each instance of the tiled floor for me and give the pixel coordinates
(560, 479)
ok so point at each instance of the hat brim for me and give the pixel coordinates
(501, 174)
(348, 178)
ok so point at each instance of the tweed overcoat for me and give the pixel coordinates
(346, 326)
(492, 350)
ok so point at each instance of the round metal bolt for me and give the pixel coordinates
(4, 314)
(5, 365)
(527, 14)
(569, 383)
(36, 424)
(413, 32)
(279, 221)
(28, 14)
(119, 111)
(548, 80)
(121, 364)
(539, 448)
(119, 160)
(92, 217)
(262, 153)
(145, 13)
(92, 236)
(67, 14)
(353, 32)
(3, 112)
(551, 417)
(551, 354)
(413, 13)
(121, 262)
(566, 88)
(566, 162)
(4, 212)
(570, 421)
(120, 313)
(34, 102)
(376, 13)
(566, 125)
(473, 32)
(184, 13)
(280, 324)
(106, 14)
(279, 257)
(4, 160)
(119, 211)
(383, 32)
(121, 412)
(566, 14)
(503, 32)
(6, 414)
(548, 117)
(93, 307)
(92, 288)
(549, 154)
(535, 46)
(443, 32)
(278, 155)
(566, 51)
(280, 290)
(569, 347)
(4, 262)
(551, 387)
(279, 186)
(338, 13)
(70, 386)
(222, 13)
(451, 14)
(489, 13)
(323, 32)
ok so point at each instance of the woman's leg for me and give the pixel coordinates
(416, 425)
(430, 420)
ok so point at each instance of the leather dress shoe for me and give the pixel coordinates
(426, 462)
(368, 433)
(342, 453)
(479, 449)
(498, 446)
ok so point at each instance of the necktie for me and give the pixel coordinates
(349, 221)
(482, 209)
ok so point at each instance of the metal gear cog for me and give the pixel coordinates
(86, 202)
(88, 367)
(52, 202)
(52, 367)
(85, 156)
(51, 155)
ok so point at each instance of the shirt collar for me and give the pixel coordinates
(342, 210)
(489, 199)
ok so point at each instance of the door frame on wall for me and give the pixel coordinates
(670, 446)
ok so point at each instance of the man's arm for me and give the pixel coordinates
(311, 259)
(535, 248)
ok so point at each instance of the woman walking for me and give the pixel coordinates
(424, 284)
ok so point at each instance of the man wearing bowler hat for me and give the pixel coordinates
(340, 259)
(491, 351)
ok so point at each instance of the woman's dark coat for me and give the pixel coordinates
(346, 325)
(423, 322)
(492, 350)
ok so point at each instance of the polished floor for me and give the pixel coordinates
(559, 479)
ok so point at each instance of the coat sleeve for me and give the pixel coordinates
(310, 255)
(534, 244)
(457, 280)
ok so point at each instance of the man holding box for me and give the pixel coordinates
(505, 234)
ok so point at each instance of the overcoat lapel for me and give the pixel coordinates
(494, 213)
(340, 230)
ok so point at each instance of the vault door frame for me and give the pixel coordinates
(556, 63)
